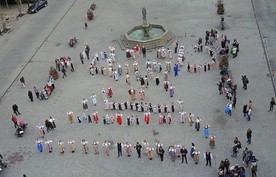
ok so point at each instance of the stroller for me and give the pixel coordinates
(21, 128)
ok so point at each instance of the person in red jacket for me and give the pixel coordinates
(119, 118)
(95, 116)
(14, 119)
(147, 117)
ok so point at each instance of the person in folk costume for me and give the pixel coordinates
(112, 119)
(116, 105)
(154, 66)
(158, 144)
(169, 118)
(72, 146)
(106, 146)
(106, 104)
(148, 64)
(127, 79)
(119, 118)
(182, 117)
(145, 146)
(132, 53)
(70, 116)
(197, 123)
(180, 104)
(191, 119)
(104, 94)
(162, 108)
(96, 147)
(163, 53)
(95, 116)
(39, 145)
(160, 119)
(172, 153)
(150, 152)
(116, 75)
(177, 149)
(147, 117)
(142, 94)
(135, 66)
(206, 131)
(128, 149)
(110, 92)
(94, 99)
(107, 119)
(132, 120)
(196, 154)
(48, 143)
(41, 130)
(137, 49)
(127, 68)
(137, 75)
(154, 109)
(131, 92)
(166, 85)
(128, 120)
(84, 104)
(84, 145)
(120, 70)
(168, 66)
(212, 141)
(166, 75)
(128, 55)
(158, 53)
(61, 146)
(171, 90)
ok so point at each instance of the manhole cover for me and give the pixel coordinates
(58, 44)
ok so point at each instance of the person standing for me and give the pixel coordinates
(84, 145)
(15, 109)
(144, 50)
(208, 157)
(36, 92)
(22, 81)
(63, 70)
(87, 50)
(184, 152)
(175, 68)
(72, 145)
(84, 104)
(96, 147)
(119, 148)
(138, 146)
(206, 131)
(161, 153)
(14, 120)
(249, 135)
(197, 123)
(85, 25)
(81, 58)
(128, 149)
(175, 46)
(245, 81)
(254, 167)
(52, 121)
(48, 143)
(271, 104)
(196, 154)
(94, 99)
(212, 141)
(171, 90)
(106, 146)
(180, 104)
(39, 145)
(61, 146)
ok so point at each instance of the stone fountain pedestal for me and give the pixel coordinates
(149, 35)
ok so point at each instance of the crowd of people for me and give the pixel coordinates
(215, 46)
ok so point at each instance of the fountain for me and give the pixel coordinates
(148, 35)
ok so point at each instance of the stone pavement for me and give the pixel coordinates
(199, 92)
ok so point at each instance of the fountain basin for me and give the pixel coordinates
(158, 36)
